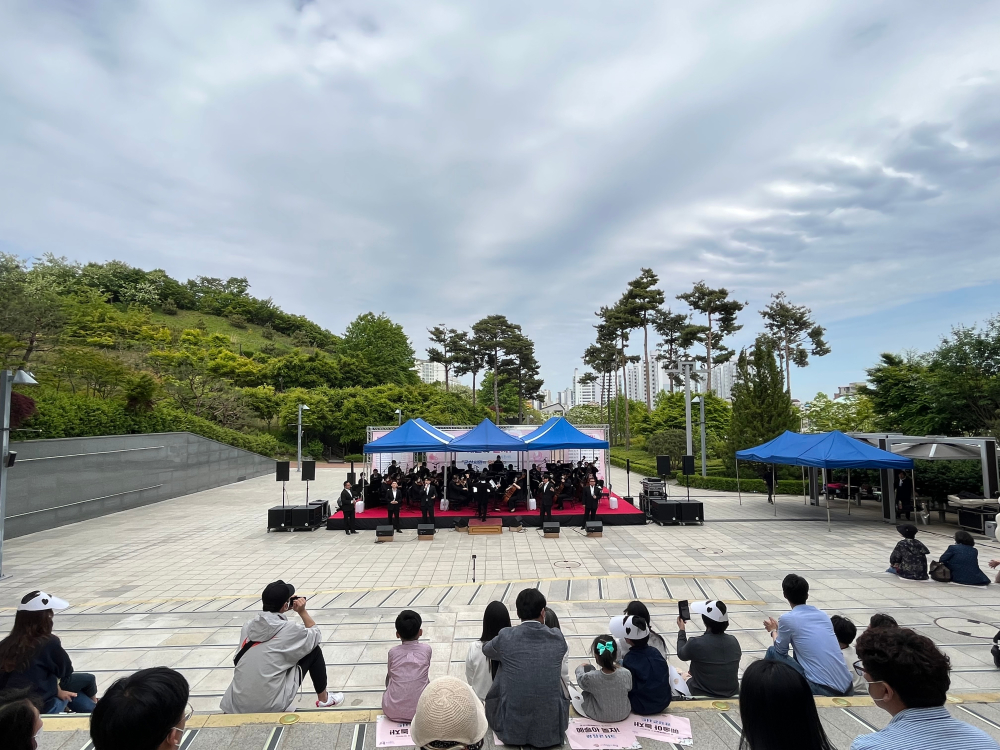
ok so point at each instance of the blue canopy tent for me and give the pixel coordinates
(486, 437)
(558, 433)
(826, 450)
(413, 436)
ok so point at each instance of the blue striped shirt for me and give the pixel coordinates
(926, 729)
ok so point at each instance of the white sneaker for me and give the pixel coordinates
(332, 699)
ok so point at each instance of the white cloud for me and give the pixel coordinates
(448, 160)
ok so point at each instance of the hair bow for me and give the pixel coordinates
(602, 647)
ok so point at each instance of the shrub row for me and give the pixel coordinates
(62, 415)
(728, 484)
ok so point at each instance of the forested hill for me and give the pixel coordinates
(117, 349)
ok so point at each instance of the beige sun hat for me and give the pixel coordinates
(448, 711)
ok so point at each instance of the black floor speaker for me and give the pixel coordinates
(291, 517)
(671, 511)
(550, 529)
(383, 533)
(425, 529)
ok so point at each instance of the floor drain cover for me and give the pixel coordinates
(707, 551)
(566, 564)
(963, 626)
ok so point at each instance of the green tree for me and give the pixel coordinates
(762, 408)
(383, 346)
(470, 359)
(796, 335)
(902, 395)
(263, 402)
(670, 414)
(622, 319)
(447, 340)
(670, 327)
(670, 442)
(603, 357)
(847, 414)
(523, 369)
(492, 336)
(31, 317)
(720, 321)
(506, 391)
(645, 300)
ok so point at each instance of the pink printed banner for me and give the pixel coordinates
(586, 734)
(390, 733)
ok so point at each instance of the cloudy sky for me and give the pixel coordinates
(441, 162)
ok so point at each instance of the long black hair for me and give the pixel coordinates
(495, 618)
(30, 632)
(778, 711)
(18, 709)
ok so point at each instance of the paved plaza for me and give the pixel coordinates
(171, 584)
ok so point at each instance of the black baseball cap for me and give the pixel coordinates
(275, 595)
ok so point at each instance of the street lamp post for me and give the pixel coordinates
(700, 400)
(399, 417)
(298, 465)
(7, 379)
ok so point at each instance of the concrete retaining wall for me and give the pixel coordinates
(56, 482)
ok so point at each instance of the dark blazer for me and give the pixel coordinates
(963, 562)
(428, 495)
(48, 666)
(346, 501)
(548, 493)
(528, 703)
(387, 495)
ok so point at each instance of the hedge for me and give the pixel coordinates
(641, 467)
(63, 415)
(728, 484)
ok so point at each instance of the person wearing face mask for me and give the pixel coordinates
(907, 677)
(144, 711)
(20, 721)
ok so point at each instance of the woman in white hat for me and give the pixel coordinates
(449, 717)
(31, 656)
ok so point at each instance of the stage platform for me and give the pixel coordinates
(625, 514)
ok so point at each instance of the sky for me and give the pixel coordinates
(441, 162)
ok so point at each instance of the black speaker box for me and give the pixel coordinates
(308, 471)
(279, 517)
(595, 526)
(324, 507)
(307, 515)
(281, 471)
(425, 529)
(663, 466)
(352, 477)
(692, 512)
(688, 463)
(383, 531)
(550, 527)
(672, 511)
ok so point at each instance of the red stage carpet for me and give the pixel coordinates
(625, 514)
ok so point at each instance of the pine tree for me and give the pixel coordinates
(720, 321)
(762, 408)
(791, 327)
(645, 300)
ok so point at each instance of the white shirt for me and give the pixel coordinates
(477, 670)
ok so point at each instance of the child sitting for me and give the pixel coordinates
(603, 693)
(845, 630)
(650, 693)
(409, 663)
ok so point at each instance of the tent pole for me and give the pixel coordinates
(826, 489)
(848, 492)
(738, 481)
(803, 485)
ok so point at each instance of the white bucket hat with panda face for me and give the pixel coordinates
(39, 601)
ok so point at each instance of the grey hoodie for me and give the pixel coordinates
(267, 678)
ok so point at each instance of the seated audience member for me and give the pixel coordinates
(20, 721)
(908, 678)
(144, 711)
(882, 620)
(449, 717)
(274, 655)
(32, 657)
(552, 621)
(909, 558)
(528, 703)
(809, 633)
(603, 692)
(845, 630)
(778, 711)
(714, 656)
(638, 609)
(480, 671)
(962, 559)
(409, 663)
(650, 693)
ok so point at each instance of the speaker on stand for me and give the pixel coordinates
(308, 475)
(663, 466)
(687, 465)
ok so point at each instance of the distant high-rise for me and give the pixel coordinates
(429, 372)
